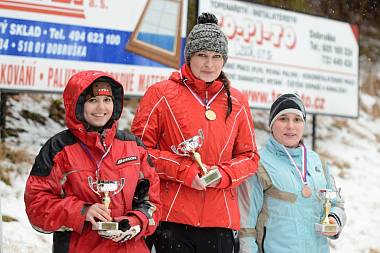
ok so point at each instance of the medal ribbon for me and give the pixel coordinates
(206, 105)
(93, 159)
(302, 173)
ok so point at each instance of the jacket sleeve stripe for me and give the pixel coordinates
(179, 181)
(243, 177)
(167, 159)
(240, 161)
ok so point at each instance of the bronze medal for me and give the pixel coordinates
(210, 114)
(306, 191)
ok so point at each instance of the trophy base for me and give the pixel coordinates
(110, 225)
(210, 177)
(326, 228)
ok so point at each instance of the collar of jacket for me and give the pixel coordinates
(198, 86)
(275, 147)
(92, 139)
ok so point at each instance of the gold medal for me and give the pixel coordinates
(210, 114)
(306, 191)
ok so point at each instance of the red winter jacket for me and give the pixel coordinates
(167, 115)
(57, 194)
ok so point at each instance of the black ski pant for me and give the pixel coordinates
(180, 238)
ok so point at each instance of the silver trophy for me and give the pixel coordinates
(324, 225)
(188, 148)
(103, 188)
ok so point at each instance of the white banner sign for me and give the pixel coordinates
(273, 51)
(44, 42)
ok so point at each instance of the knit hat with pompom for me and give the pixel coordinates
(206, 35)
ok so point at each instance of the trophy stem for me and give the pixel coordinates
(197, 158)
(327, 207)
(106, 199)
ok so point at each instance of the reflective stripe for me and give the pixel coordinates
(229, 137)
(228, 210)
(171, 112)
(171, 206)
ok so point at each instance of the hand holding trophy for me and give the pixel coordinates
(188, 148)
(103, 188)
(324, 226)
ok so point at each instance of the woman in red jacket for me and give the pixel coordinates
(92, 185)
(198, 110)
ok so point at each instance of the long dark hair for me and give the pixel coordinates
(226, 86)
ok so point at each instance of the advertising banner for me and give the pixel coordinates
(44, 42)
(273, 51)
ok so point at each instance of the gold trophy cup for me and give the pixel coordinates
(324, 225)
(188, 148)
(103, 188)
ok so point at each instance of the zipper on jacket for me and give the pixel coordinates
(102, 138)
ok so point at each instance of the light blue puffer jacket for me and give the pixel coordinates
(286, 218)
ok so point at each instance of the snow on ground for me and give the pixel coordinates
(350, 145)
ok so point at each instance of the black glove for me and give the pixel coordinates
(142, 189)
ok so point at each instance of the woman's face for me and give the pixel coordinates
(206, 65)
(98, 110)
(288, 129)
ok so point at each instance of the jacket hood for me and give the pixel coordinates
(74, 99)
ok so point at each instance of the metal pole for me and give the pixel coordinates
(1, 229)
(3, 108)
(314, 131)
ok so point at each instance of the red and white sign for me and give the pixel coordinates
(274, 51)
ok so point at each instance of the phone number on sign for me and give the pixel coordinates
(95, 37)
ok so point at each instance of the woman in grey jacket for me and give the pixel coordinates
(282, 205)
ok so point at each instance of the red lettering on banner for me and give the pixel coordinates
(146, 80)
(255, 31)
(126, 79)
(17, 74)
(58, 77)
(128, 82)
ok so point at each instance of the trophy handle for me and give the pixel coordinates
(122, 183)
(91, 184)
(175, 150)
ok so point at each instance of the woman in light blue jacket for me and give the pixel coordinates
(281, 204)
